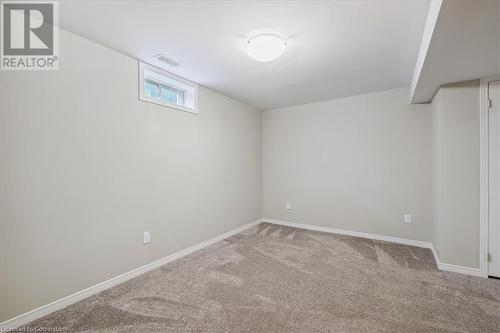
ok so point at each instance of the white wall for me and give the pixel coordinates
(498, 36)
(456, 174)
(86, 167)
(436, 168)
(356, 163)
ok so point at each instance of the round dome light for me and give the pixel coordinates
(265, 47)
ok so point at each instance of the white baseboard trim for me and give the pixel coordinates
(427, 245)
(80, 295)
(397, 240)
(455, 268)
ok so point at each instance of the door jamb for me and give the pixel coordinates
(484, 176)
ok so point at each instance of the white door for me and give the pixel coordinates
(494, 179)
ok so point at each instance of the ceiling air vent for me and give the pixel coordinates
(161, 57)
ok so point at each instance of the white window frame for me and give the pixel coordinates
(160, 85)
(175, 82)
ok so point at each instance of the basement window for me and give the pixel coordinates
(164, 88)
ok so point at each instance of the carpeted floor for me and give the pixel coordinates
(280, 279)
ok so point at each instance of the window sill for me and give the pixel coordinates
(169, 105)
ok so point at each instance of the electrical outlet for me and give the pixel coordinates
(407, 218)
(146, 237)
(288, 206)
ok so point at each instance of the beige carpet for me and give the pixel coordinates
(281, 279)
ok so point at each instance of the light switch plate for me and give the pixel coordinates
(407, 218)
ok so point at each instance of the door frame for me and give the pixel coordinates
(484, 173)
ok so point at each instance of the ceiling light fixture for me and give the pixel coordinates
(266, 47)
